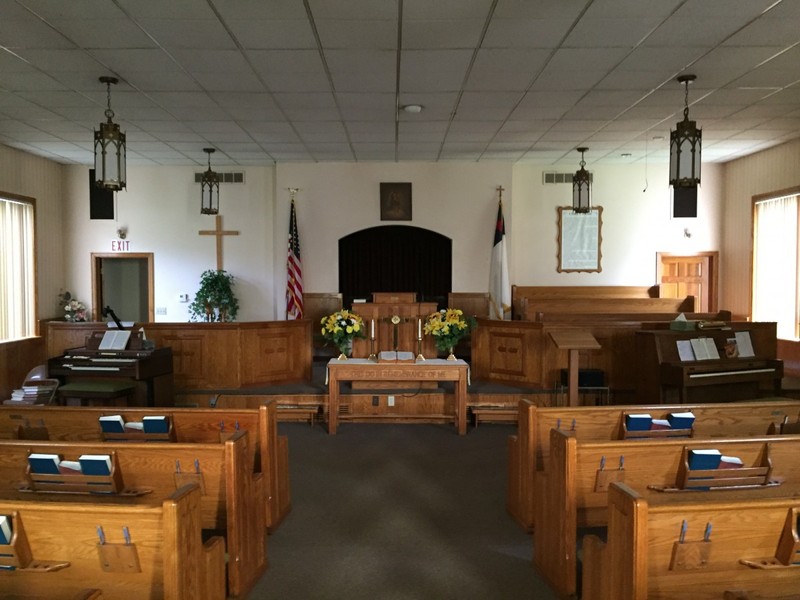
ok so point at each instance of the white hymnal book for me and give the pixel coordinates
(115, 340)
(744, 344)
(704, 349)
(392, 356)
(685, 351)
(5, 530)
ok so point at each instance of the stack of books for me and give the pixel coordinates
(53, 464)
(645, 422)
(148, 424)
(35, 391)
(5, 530)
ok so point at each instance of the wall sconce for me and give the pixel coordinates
(122, 233)
(209, 188)
(685, 147)
(582, 188)
(109, 148)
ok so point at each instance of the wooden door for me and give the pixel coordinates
(690, 275)
(123, 281)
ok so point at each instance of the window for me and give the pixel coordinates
(775, 262)
(17, 268)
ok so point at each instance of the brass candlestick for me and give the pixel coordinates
(372, 356)
(419, 350)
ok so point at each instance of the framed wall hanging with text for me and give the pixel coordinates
(579, 239)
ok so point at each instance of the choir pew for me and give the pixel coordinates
(570, 493)
(231, 494)
(165, 539)
(189, 425)
(644, 558)
(529, 449)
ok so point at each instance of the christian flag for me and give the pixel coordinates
(294, 272)
(499, 286)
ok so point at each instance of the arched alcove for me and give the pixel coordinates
(395, 258)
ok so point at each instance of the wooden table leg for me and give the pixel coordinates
(572, 372)
(461, 402)
(333, 402)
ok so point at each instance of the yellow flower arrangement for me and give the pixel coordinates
(341, 327)
(448, 326)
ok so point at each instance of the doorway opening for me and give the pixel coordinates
(123, 282)
(690, 275)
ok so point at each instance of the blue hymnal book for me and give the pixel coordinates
(95, 464)
(681, 420)
(156, 424)
(5, 530)
(640, 422)
(44, 463)
(112, 424)
(701, 460)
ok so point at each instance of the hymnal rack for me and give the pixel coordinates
(138, 435)
(787, 554)
(80, 483)
(625, 433)
(755, 476)
(18, 556)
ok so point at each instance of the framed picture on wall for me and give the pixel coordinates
(395, 201)
(579, 240)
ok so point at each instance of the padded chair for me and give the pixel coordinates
(96, 392)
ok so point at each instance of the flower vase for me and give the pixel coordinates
(345, 349)
(450, 355)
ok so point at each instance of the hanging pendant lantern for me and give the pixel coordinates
(209, 188)
(109, 148)
(582, 188)
(685, 145)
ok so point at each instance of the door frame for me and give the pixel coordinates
(97, 280)
(713, 273)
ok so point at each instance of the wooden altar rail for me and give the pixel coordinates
(523, 353)
(214, 355)
(529, 448)
(269, 451)
(643, 557)
(569, 493)
(232, 497)
(174, 562)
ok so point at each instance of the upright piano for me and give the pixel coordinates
(662, 373)
(150, 368)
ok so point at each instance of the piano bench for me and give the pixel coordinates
(91, 392)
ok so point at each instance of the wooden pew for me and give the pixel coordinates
(570, 493)
(531, 308)
(529, 449)
(643, 559)
(231, 500)
(173, 561)
(190, 425)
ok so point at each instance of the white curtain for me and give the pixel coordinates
(775, 264)
(17, 272)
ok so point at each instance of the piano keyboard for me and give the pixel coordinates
(724, 373)
(91, 368)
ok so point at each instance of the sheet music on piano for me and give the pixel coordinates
(115, 340)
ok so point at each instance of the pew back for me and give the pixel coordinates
(569, 493)
(174, 562)
(190, 425)
(529, 449)
(231, 498)
(643, 558)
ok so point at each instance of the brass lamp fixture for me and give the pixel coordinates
(582, 187)
(685, 145)
(209, 188)
(109, 148)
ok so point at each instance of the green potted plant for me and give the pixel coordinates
(215, 300)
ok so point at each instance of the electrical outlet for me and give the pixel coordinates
(161, 310)
(375, 401)
(390, 400)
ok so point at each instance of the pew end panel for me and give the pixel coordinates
(522, 467)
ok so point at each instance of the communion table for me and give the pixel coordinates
(435, 369)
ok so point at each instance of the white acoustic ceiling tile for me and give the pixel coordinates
(212, 61)
(103, 33)
(174, 9)
(188, 33)
(258, 9)
(475, 113)
(299, 114)
(489, 99)
(526, 60)
(607, 32)
(374, 115)
(526, 33)
(366, 63)
(273, 62)
(320, 128)
(28, 81)
(222, 80)
(304, 101)
(349, 81)
(297, 82)
(640, 81)
(353, 9)
(745, 9)
(540, 9)
(697, 33)
(277, 34)
(254, 113)
(433, 34)
(69, 60)
(375, 136)
(372, 34)
(435, 60)
(373, 148)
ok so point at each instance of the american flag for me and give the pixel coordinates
(294, 272)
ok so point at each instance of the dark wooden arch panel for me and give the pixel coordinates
(395, 258)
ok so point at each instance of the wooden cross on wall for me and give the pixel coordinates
(218, 232)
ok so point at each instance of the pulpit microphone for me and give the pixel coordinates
(107, 311)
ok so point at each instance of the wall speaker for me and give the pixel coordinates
(101, 200)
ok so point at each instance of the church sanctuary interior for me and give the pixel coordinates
(399, 299)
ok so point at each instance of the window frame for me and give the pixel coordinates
(34, 332)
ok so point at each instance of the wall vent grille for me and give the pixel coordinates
(549, 177)
(224, 177)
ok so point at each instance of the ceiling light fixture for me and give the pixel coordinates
(109, 148)
(209, 188)
(582, 188)
(685, 145)
(412, 108)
